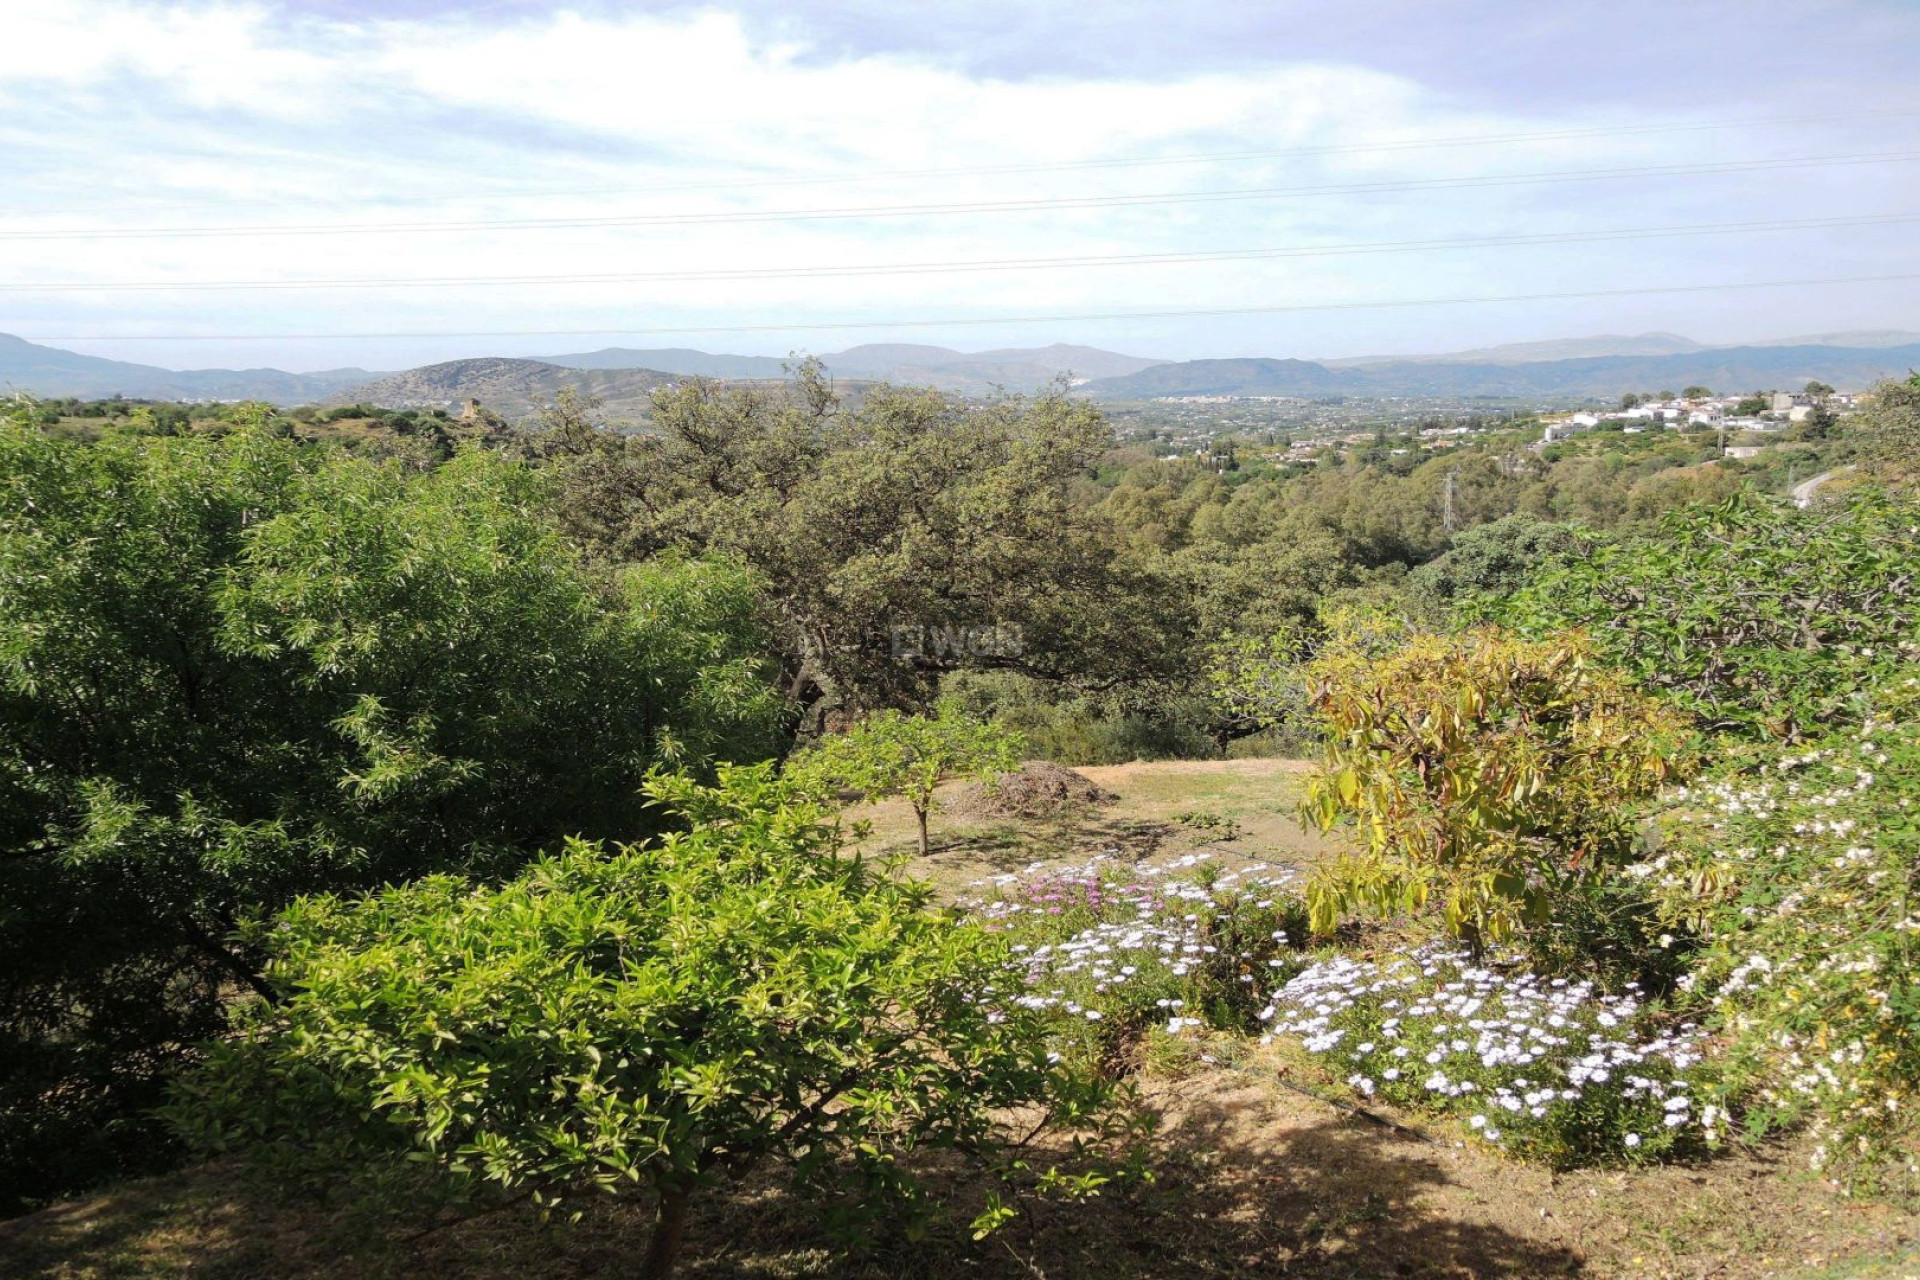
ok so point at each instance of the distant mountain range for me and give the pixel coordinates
(505, 385)
(1605, 344)
(507, 382)
(1613, 344)
(1599, 367)
(49, 371)
(1014, 368)
(1725, 369)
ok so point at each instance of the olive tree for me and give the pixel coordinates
(649, 1020)
(901, 509)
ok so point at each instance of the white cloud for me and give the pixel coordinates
(222, 114)
(208, 56)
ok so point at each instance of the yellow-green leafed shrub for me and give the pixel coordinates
(1492, 775)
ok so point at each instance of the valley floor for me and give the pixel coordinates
(1262, 1169)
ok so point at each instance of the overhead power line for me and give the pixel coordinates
(1172, 258)
(966, 207)
(955, 321)
(468, 195)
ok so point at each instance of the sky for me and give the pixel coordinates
(383, 185)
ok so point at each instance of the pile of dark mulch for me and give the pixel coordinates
(1037, 789)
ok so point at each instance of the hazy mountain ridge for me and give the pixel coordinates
(623, 377)
(1605, 344)
(1638, 344)
(53, 371)
(678, 360)
(1850, 338)
(1722, 368)
(508, 385)
(1014, 368)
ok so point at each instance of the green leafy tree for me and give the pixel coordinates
(905, 505)
(646, 1019)
(1492, 559)
(892, 754)
(1262, 684)
(1696, 392)
(1755, 615)
(1887, 431)
(1492, 775)
(234, 670)
(1821, 423)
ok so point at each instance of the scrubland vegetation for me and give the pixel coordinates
(452, 825)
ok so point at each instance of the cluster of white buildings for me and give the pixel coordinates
(1783, 410)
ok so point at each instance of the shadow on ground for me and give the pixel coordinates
(1233, 1196)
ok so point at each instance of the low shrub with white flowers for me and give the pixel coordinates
(1802, 882)
(1125, 947)
(1548, 1068)
(1784, 905)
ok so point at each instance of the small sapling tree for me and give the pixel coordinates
(892, 754)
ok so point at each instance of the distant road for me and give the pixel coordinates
(1803, 492)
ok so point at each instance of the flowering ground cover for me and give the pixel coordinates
(1548, 1068)
(1128, 947)
(1545, 1068)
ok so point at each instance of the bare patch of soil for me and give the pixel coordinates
(1259, 796)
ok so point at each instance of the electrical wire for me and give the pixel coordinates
(977, 265)
(968, 208)
(954, 321)
(469, 195)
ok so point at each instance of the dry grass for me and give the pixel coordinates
(1257, 796)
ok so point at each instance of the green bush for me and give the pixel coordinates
(1887, 432)
(238, 669)
(647, 1019)
(1800, 881)
(1759, 617)
(1144, 723)
(1493, 776)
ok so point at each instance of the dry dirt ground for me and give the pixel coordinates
(1236, 810)
(1260, 1169)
